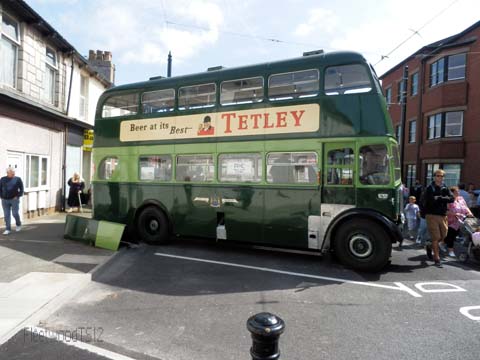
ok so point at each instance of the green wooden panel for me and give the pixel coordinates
(109, 235)
(80, 229)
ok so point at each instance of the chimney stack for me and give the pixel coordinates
(101, 61)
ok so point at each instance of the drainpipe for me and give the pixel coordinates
(65, 141)
(403, 117)
(64, 168)
(421, 79)
(70, 85)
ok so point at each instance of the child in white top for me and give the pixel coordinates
(412, 214)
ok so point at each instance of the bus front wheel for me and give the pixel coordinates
(152, 226)
(362, 245)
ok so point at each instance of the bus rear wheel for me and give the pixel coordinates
(362, 245)
(152, 226)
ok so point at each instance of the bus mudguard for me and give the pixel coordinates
(357, 213)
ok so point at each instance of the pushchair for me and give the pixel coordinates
(470, 228)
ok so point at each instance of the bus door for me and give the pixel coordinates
(195, 200)
(241, 197)
(292, 197)
(338, 179)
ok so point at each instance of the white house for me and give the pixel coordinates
(48, 94)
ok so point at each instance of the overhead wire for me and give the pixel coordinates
(274, 40)
(415, 32)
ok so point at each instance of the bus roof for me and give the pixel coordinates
(325, 59)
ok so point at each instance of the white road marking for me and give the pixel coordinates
(399, 286)
(78, 344)
(452, 288)
(466, 311)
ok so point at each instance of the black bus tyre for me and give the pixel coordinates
(152, 226)
(362, 245)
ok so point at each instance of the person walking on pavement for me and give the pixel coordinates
(11, 189)
(456, 211)
(437, 197)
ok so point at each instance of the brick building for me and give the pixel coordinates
(442, 122)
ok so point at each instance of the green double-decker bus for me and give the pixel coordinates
(297, 154)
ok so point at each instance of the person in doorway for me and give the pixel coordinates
(437, 197)
(74, 194)
(11, 189)
(458, 209)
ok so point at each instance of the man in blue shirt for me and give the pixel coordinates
(11, 188)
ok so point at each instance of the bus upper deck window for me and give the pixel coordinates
(158, 101)
(120, 105)
(296, 84)
(347, 79)
(241, 91)
(197, 96)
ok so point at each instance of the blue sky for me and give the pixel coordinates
(206, 33)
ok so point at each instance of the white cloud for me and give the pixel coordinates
(139, 33)
(319, 19)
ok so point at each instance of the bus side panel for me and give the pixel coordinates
(243, 212)
(379, 199)
(286, 214)
(112, 201)
(192, 211)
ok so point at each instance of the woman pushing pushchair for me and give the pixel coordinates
(456, 211)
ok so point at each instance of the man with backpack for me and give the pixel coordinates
(436, 198)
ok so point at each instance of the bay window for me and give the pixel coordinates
(10, 42)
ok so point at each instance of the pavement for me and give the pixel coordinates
(40, 271)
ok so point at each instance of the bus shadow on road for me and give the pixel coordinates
(197, 267)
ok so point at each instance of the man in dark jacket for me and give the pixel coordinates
(438, 195)
(11, 188)
(416, 190)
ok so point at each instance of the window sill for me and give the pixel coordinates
(446, 139)
(447, 82)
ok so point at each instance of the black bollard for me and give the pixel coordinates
(266, 329)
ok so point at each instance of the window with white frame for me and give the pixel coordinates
(82, 111)
(437, 71)
(431, 168)
(434, 126)
(50, 75)
(10, 42)
(36, 171)
(448, 68)
(452, 173)
(412, 131)
(400, 91)
(453, 123)
(398, 133)
(447, 124)
(411, 175)
(414, 85)
(456, 67)
(388, 95)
